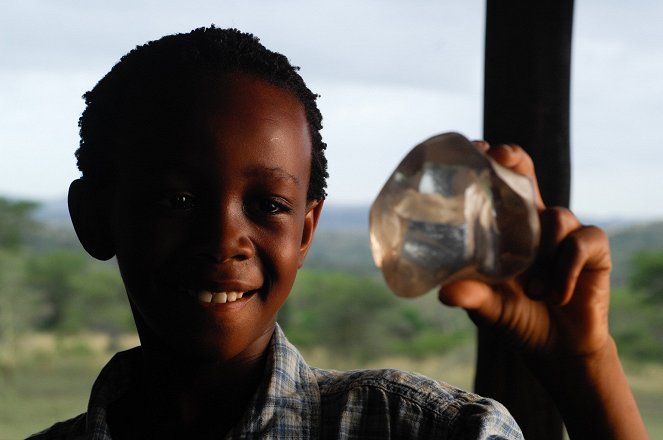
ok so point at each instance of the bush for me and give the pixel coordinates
(357, 317)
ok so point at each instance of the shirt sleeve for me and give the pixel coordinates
(72, 429)
(486, 419)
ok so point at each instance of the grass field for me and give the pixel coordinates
(52, 381)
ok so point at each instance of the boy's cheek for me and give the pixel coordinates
(149, 232)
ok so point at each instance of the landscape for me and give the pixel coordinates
(63, 314)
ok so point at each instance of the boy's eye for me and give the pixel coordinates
(271, 206)
(179, 202)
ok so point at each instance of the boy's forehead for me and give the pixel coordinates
(235, 109)
(248, 98)
(179, 104)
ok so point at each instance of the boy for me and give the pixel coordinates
(203, 171)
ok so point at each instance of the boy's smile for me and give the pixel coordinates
(211, 221)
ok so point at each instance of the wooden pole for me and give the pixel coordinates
(526, 101)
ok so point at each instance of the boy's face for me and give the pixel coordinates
(217, 210)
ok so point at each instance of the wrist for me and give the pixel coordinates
(557, 366)
(592, 393)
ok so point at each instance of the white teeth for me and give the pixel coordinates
(205, 296)
(220, 297)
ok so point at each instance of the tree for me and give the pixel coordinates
(635, 311)
(98, 302)
(341, 312)
(647, 276)
(356, 317)
(52, 274)
(20, 307)
(15, 222)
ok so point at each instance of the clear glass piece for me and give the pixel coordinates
(449, 212)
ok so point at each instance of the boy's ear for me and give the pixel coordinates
(91, 222)
(310, 223)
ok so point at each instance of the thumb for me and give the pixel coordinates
(479, 299)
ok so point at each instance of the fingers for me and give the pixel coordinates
(483, 146)
(516, 159)
(467, 294)
(566, 250)
(584, 252)
(556, 224)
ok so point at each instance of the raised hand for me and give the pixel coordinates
(556, 314)
(560, 305)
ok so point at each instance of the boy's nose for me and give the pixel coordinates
(228, 237)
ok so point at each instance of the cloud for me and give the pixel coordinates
(617, 103)
(424, 42)
(378, 125)
(390, 73)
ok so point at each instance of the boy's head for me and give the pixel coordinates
(157, 79)
(204, 172)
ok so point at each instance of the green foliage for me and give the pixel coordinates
(635, 311)
(647, 275)
(337, 311)
(20, 307)
(626, 242)
(15, 222)
(45, 390)
(52, 274)
(355, 316)
(81, 293)
(341, 251)
(99, 302)
(636, 326)
(431, 341)
(47, 286)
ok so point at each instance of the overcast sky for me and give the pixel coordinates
(391, 74)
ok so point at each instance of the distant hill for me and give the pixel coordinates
(53, 211)
(626, 241)
(342, 241)
(334, 217)
(344, 218)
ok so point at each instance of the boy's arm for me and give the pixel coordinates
(557, 315)
(593, 396)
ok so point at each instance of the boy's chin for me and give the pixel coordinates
(204, 348)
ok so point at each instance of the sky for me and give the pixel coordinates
(390, 74)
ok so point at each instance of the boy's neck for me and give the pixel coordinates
(189, 398)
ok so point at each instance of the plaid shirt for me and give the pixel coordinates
(296, 401)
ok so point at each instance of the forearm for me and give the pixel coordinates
(594, 397)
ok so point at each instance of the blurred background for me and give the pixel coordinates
(390, 74)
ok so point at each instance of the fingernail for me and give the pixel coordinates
(481, 145)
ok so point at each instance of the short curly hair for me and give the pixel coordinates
(125, 98)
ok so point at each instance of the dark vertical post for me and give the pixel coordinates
(526, 101)
(527, 83)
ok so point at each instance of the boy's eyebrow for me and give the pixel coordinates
(275, 172)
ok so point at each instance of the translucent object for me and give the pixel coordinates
(448, 212)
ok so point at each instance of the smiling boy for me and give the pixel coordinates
(203, 171)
